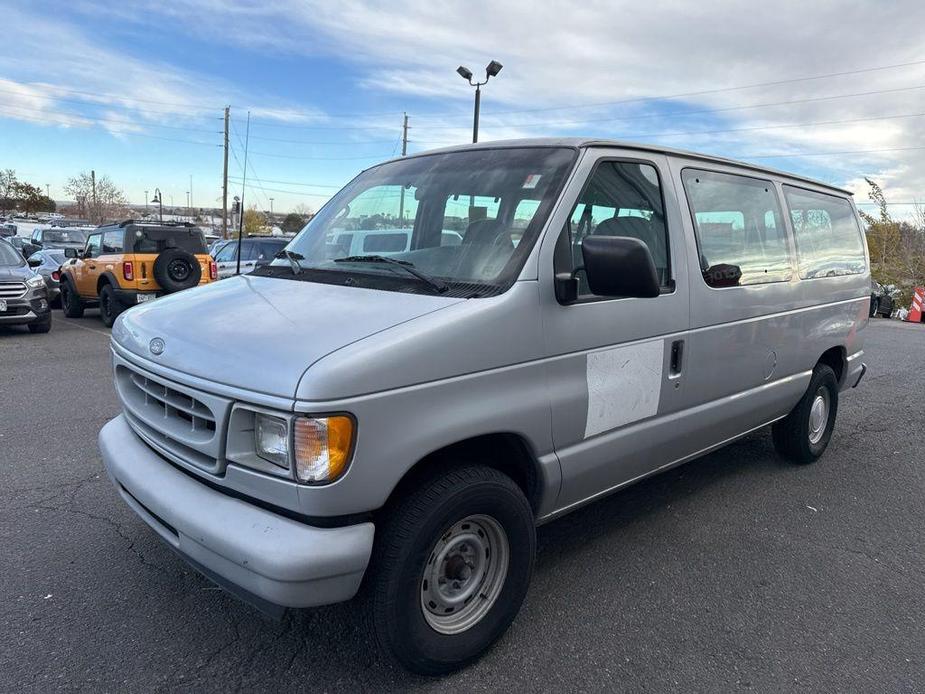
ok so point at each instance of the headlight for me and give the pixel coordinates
(322, 447)
(271, 438)
(35, 282)
(310, 450)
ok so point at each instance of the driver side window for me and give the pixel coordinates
(94, 245)
(620, 199)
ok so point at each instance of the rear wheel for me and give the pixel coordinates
(453, 564)
(110, 306)
(70, 301)
(803, 435)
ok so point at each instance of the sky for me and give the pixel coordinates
(136, 89)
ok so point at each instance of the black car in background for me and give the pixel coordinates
(23, 295)
(881, 303)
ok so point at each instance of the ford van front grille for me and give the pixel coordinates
(184, 424)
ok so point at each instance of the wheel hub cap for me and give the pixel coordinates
(818, 416)
(464, 574)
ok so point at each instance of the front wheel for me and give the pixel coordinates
(453, 562)
(70, 301)
(803, 435)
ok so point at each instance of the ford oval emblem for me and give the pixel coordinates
(156, 346)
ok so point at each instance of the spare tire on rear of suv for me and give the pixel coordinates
(176, 269)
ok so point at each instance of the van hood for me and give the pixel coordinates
(262, 333)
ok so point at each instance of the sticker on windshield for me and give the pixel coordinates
(532, 181)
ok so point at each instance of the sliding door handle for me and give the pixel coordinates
(677, 359)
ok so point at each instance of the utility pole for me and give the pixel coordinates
(404, 136)
(225, 181)
(191, 196)
(271, 207)
(146, 203)
(404, 151)
(48, 191)
(93, 187)
(247, 139)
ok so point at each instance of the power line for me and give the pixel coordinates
(829, 154)
(115, 97)
(373, 157)
(126, 133)
(697, 111)
(703, 92)
(780, 126)
(299, 183)
(78, 118)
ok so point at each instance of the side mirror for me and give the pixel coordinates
(71, 253)
(619, 266)
(34, 262)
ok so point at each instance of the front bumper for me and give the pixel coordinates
(251, 551)
(29, 309)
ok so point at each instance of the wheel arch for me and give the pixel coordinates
(106, 278)
(837, 359)
(507, 452)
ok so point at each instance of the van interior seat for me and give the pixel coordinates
(642, 229)
(484, 243)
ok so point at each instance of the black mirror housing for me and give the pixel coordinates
(619, 266)
(71, 253)
(34, 262)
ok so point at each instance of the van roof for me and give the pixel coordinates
(584, 142)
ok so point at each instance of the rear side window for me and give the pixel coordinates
(112, 241)
(740, 230)
(159, 240)
(827, 234)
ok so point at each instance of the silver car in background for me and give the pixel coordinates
(404, 419)
(47, 263)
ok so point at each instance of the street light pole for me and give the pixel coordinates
(146, 203)
(492, 70)
(159, 199)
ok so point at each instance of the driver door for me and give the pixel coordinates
(85, 269)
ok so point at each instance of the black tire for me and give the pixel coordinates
(176, 270)
(71, 303)
(406, 544)
(795, 437)
(42, 327)
(110, 306)
(874, 307)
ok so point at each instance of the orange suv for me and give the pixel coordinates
(132, 262)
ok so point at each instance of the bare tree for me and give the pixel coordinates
(103, 202)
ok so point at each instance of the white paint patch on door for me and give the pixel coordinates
(624, 385)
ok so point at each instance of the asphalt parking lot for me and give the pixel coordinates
(734, 572)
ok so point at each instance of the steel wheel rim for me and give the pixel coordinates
(179, 270)
(464, 574)
(818, 416)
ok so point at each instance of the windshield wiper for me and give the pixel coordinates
(437, 284)
(293, 259)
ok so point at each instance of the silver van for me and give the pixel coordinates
(397, 426)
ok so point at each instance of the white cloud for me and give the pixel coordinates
(556, 55)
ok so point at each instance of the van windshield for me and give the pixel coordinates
(467, 219)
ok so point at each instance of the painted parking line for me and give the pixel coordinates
(69, 321)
